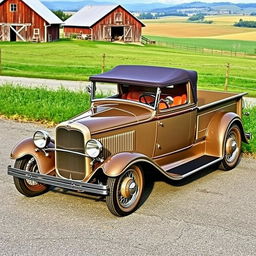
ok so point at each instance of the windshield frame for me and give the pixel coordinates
(93, 99)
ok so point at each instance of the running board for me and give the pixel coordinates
(182, 171)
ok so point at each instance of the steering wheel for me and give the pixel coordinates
(165, 102)
(143, 98)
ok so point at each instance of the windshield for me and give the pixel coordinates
(140, 94)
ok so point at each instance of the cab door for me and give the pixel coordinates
(176, 125)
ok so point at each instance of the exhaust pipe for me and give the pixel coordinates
(248, 135)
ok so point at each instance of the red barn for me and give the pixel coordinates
(27, 20)
(104, 23)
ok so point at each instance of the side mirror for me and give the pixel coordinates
(169, 100)
(89, 88)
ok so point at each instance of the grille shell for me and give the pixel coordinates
(70, 165)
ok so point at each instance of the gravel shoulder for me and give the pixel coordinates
(212, 213)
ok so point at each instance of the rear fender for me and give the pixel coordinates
(45, 162)
(115, 165)
(217, 130)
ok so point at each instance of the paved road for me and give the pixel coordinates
(52, 84)
(213, 213)
(71, 85)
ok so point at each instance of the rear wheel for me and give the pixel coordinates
(232, 148)
(28, 188)
(125, 191)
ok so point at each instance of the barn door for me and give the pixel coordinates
(16, 30)
(5, 33)
(107, 33)
(128, 34)
(1, 32)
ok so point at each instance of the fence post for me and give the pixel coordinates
(103, 63)
(227, 77)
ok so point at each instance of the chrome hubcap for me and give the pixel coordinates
(31, 166)
(232, 148)
(129, 189)
(132, 188)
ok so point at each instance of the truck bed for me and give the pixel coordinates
(210, 98)
(212, 102)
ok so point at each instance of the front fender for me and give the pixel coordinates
(115, 165)
(46, 164)
(217, 131)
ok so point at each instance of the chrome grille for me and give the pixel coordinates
(70, 165)
(118, 143)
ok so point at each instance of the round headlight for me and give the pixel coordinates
(93, 148)
(41, 139)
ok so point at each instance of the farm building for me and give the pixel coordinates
(27, 20)
(104, 23)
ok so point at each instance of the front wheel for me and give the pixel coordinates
(28, 188)
(232, 148)
(125, 191)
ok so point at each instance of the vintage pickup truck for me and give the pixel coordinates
(156, 121)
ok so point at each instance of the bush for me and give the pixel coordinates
(147, 15)
(196, 17)
(245, 23)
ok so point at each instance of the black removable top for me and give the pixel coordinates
(148, 76)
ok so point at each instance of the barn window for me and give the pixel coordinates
(118, 17)
(36, 31)
(13, 7)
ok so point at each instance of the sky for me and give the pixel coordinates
(162, 1)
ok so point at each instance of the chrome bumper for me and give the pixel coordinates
(80, 186)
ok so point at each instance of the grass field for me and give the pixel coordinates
(77, 60)
(222, 28)
(41, 105)
(248, 47)
(52, 107)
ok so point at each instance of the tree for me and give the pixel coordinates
(63, 16)
(196, 17)
(245, 23)
(147, 15)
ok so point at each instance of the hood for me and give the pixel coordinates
(110, 116)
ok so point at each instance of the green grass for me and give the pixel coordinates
(248, 47)
(34, 104)
(77, 60)
(250, 126)
(40, 104)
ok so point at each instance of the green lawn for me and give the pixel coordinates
(41, 104)
(77, 60)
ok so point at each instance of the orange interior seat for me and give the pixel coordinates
(183, 98)
(162, 105)
(177, 100)
(124, 96)
(133, 95)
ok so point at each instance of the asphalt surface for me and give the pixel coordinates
(52, 84)
(212, 213)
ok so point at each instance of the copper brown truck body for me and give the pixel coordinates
(166, 125)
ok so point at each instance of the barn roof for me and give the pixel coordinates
(42, 11)
(90, 15)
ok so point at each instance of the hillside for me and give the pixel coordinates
(74, 6)
(159, 7)
(208, 8)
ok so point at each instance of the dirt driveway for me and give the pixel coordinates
(212, 213)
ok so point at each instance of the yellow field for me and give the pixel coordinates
(222, 28)
(229, 20)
